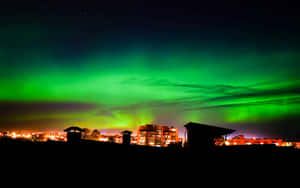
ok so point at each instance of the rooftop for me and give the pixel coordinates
(70, 129)
(208, 129)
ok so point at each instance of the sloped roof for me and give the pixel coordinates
(73, 129)
(208, 129)
(126, 132)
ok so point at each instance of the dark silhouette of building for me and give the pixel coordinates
(202, 137)
(126, 137)
(74, 134)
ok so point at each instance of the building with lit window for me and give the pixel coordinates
(155, 135)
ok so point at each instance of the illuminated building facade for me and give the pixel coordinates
(154, 135)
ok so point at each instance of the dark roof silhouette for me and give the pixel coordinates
(209, 130)
(73, 129)
(126, 132)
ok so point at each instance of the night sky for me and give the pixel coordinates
(119, 65)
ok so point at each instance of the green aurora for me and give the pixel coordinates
(122, 85)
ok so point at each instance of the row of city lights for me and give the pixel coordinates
(58, 136)
(241, 140)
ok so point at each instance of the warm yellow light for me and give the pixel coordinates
(13, 135)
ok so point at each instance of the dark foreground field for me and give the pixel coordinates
(110, 158)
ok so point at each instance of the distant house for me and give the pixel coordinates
(202, 137)
(74, 134)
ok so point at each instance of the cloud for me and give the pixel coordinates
(264, 95)
(245, 104)
(41, 114)
(34, 124)
(197, 92)
(107, 113)
(226, 96)
(285, 127)
(17, 108)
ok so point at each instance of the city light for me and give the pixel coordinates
(148, 135)
(151, 135)
(241, 140)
